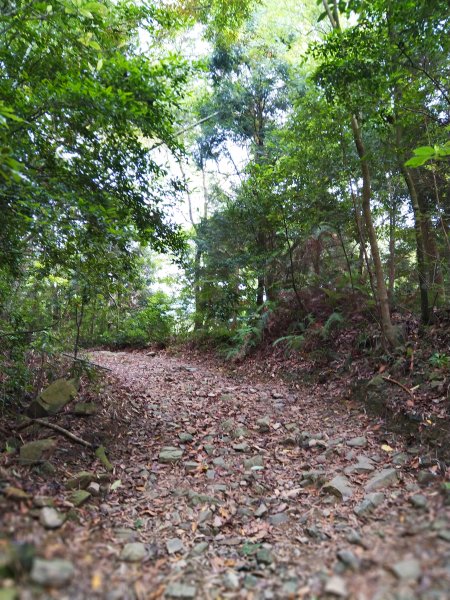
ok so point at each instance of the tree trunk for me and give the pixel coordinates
(420, 246)
(392, 224)
(385, 314)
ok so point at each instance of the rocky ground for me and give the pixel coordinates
(223, 486)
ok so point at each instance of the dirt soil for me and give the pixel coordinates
(230, 485)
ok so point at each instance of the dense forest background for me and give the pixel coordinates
(290, 159)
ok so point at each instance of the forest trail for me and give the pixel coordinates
(231, 487)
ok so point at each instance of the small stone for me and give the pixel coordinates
(240, 447)
(353, 537)
(369, 504)
(290, 588)
(339, 486)
(264, 556)
(426, 477)
(419, 501)
(209, 449)
(17, 494)
(239, 432)
(50, 518)
(254, 461)
(80, 480)
(263, 424)
(41, 501)
(336, 586)
(278, 519)
(219, 462)
(231, 580)
(408, 569)
(400, 458)
(181, 590)
(210, 474)
(79, 497)
(174, 545)
(191, 466)
(357, 442)
(85, 409)
(228, 425)
(185, 437)
(382, 479)
(349, 559)
(93, 488)
(261, 510)
(169, 454)
(133, 552)
(314, 477)
(52, 573)
(205, 515)
(444, 535)
(199, 549)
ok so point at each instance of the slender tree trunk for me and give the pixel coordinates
(420, 246)
(385, 314)
(388, 329)
(392, 225)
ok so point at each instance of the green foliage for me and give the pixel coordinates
(151, 324)
(439, 360)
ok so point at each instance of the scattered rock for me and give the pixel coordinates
(80, 480)
(254, 461)
(264, 556)
(79, 497)
(50, 518)
(17, 494)
(185, 437)
(181, 590)
(41, 501)
(100, 453)
(314, 477)
(94, 488)
(357, 442)
(382, 479)
(169, 454)
(400, 458)
(231, 580)
(174, 545)
(199, 549)
(133, 552)
(336, 586)
(191, 466)
(240, 447)
(444, 534)
(53, 399)
(369, 504)
(279, 519)
(263, 424)
(349, 560)
(426, 477)
(52, 573)
(408, 569)
(339, 486)
(85, 409)
(261, 510)
(33, 452)
(419, 501)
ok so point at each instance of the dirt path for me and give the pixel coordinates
(227, 488)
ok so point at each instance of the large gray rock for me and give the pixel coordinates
(54, 398)
(169, 454)
(33, 452)
(382, 479)
(369, 504)
(52, 573)
(339, 486)
(408, 569)
(133, 552)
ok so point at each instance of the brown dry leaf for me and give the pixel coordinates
(96, 581)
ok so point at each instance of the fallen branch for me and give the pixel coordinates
(407, 390)
(57, 428)
(86, 361)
